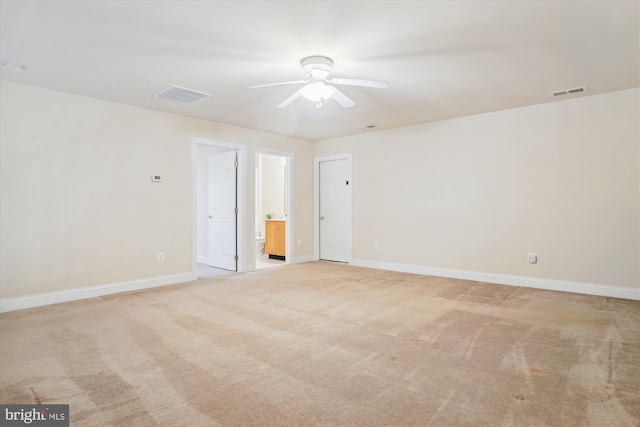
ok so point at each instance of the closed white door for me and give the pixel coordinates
(222, 211)
(335, 210)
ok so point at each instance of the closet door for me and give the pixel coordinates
(334, 210)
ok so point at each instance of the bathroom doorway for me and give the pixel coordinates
(219, 233)
(272, 228)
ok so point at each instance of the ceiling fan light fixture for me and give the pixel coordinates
(317, 92)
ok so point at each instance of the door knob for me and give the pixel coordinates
(321, 218)
(209, 216)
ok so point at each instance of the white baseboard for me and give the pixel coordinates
(301, 259)
(19, 303)
(502, 279)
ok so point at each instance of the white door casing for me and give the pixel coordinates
(334, 209)
(223, 210)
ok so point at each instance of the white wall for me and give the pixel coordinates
(78, 206)
(273, 194)
(271, 197)
(480, 192)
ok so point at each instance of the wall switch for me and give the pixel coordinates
(532, 257)
(376, 246)
(160, 256)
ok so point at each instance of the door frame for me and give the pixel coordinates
(316, 202)
(288, 197)
(241, 234)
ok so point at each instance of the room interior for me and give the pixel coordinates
(493, 272)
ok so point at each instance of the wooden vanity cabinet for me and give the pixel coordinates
(275, 238)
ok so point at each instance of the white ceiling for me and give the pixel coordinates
(442, 59)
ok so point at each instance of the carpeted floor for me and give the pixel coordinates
(332, 345)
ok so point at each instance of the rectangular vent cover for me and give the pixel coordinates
(181, 94)
(569, 91)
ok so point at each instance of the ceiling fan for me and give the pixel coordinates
(318, 87)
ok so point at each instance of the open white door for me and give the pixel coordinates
(223, 211)
(335, 210)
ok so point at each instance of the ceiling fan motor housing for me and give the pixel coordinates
(317, 67)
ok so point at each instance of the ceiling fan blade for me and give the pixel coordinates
(290, 99)
(358, 82)
(342, 99)
(295, 82)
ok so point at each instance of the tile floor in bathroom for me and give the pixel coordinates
(266, 262)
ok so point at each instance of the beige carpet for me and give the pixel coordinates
(332, 345)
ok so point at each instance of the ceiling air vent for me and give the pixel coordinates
(181, 94)
(569, 91)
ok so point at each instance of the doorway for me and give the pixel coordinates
(272, 208)
(218, 210)
(333, 197)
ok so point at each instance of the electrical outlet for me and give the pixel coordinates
(160, 256)
(532, 257)
(376, 246)
(299, 243)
